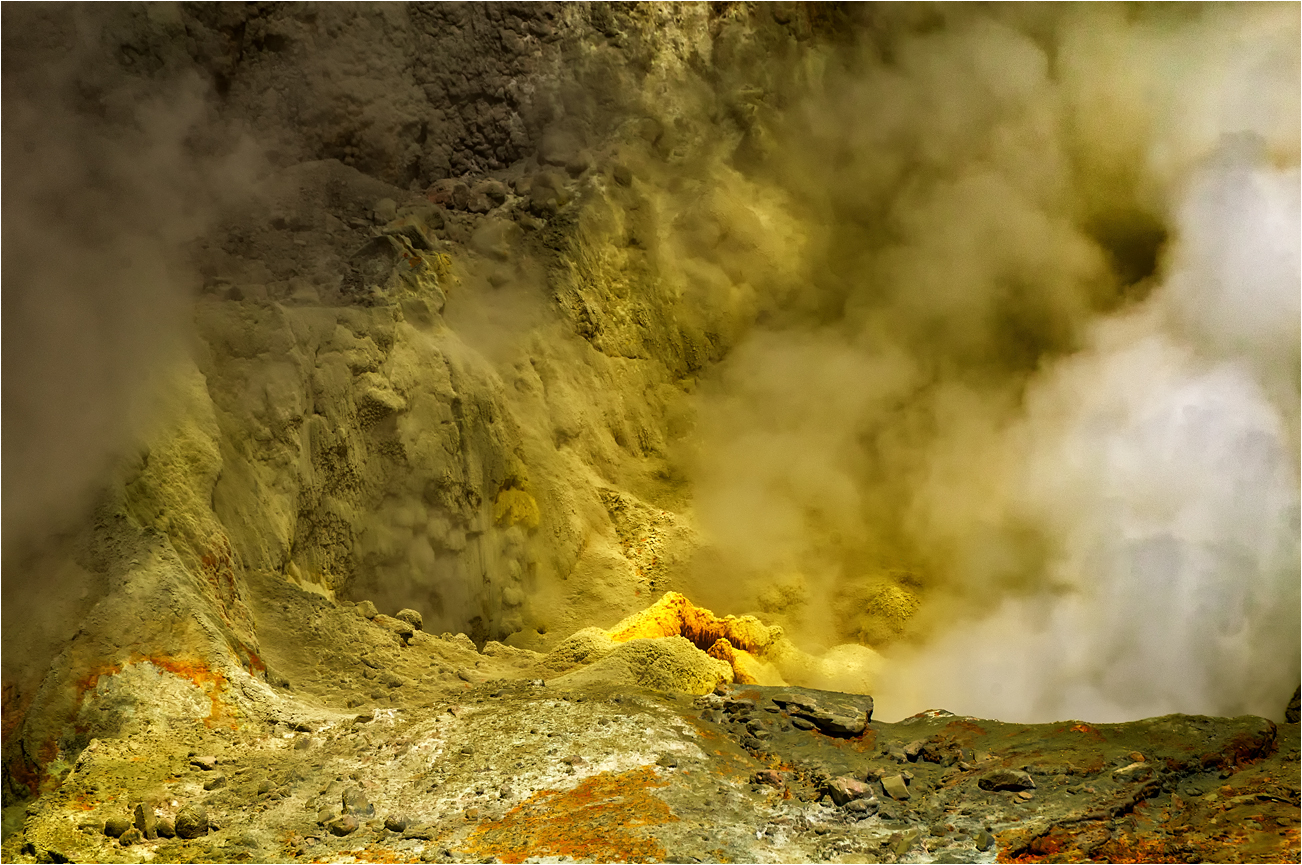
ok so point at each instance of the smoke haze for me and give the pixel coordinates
(1044, 372)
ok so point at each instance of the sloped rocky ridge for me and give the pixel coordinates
(451, 278)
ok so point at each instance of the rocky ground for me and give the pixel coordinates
(377, 742)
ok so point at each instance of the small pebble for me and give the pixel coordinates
(344, 825)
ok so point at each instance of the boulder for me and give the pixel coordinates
(192, 821)
(846, 789)
(1006, 779)
(145, 820)
(895, 787)
(411, 617)
(833, 713)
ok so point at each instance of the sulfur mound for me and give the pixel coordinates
(663, 664)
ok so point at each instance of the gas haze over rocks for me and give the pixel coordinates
(958, 345)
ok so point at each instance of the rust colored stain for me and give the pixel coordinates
(204, 678)
(599, 819)
(376, 853)
(964, 732)
(1089, 731)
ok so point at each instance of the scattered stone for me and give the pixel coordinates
(1006, 779)
(165, 828)
(622, 174)
(769, 776)
(397, 626)
(846, 789)
(215, 782)
(905, 841)
(894, 786)
(386, 210)
(833, 713)
(472, 813)
(802, 724)
(146, 821)
(1026, 795)
(396, 822)
(578, 164)
(131, 836)
(1133, 771)
(1294, 710)
(984, 840)
(1136, 757)
(355, 802)
(863, 807)
(366, 609)
(115, 825)
(493, 190)
(205, 763)
(345, 824)
(412, 618)
(192, 821)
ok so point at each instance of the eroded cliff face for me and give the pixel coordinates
(458, 395)
(519, 317)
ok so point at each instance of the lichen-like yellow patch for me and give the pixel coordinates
(515, 507)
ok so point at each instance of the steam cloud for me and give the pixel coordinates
(111, 174)
(1044, 366)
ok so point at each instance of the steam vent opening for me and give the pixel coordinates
(651, 432)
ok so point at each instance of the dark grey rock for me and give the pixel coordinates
(833, 713)
(396, 822)
(1294, 710)
(192, 821)
(984, 840)
(1006, 779)
(131, 836)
